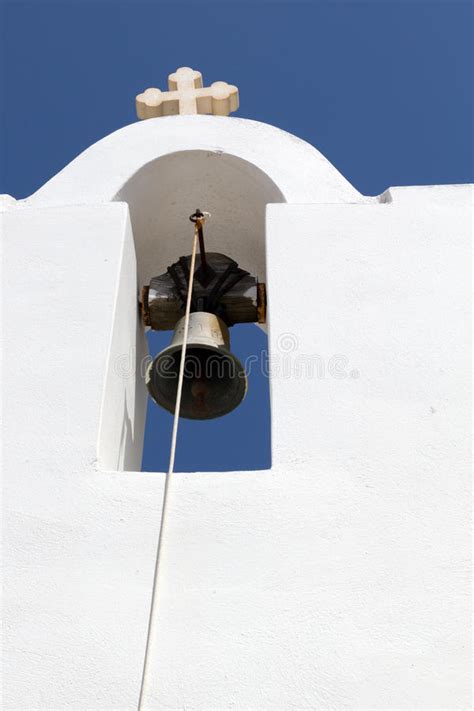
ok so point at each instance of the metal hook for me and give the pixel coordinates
(199, 216)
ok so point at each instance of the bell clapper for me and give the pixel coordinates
(199, 390)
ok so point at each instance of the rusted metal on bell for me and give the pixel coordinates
(214, 379)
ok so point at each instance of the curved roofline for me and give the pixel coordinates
(100, 173)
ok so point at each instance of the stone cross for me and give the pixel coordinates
(186, 95)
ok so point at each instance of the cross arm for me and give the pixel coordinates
(220, 99)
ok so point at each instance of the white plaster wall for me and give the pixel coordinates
(339, 579)
(123, 410)
(77, 544)
(167, 167)
(335, 580)
(301, 172)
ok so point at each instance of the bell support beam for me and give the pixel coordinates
(235, 295)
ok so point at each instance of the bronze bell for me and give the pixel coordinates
(214, 379)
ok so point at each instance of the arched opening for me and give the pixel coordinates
(241, 440)
(161, 196)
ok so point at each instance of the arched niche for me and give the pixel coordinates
(163, 193)
(160, 196)
(163, 169)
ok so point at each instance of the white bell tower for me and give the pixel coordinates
(336, 578)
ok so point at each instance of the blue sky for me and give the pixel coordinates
(381, 88)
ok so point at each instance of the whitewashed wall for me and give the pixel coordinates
(335, 580)
(339, 579)
(77, 542)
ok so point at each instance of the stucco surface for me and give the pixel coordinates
(164, 168)
(338, 578)
(301, 172)
(77, 543)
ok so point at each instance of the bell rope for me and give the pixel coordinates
(154, 594)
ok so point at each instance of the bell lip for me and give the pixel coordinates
(218, 349)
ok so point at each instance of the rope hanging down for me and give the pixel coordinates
(154, 595)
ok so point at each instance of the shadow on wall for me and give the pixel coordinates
(163, 194)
